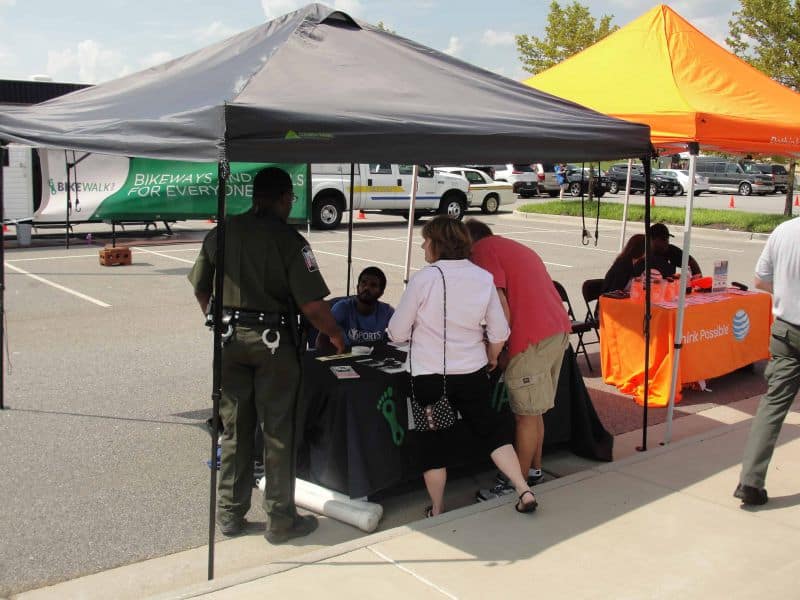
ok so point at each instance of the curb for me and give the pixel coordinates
(702, 231)
(257, 573)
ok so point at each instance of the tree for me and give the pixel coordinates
(569, 30)
(766, 34)
(384, 27)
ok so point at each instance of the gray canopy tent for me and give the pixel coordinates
(316, 85)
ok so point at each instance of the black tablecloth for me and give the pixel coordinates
(356, 437)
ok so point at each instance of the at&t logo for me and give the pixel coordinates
(741, 325)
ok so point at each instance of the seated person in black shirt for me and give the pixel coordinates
(626, 265)
(667, 258)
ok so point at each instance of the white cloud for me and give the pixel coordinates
(351, 7)
(89, 62)
(497, 38)
(276, 8)
(6, 3)
(454, 47)
(215, 31)
(155, 58)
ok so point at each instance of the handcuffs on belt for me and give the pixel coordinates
(270, 337)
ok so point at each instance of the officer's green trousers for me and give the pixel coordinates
(258, 388)
(783, 381)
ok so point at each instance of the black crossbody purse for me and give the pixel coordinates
(438, 415)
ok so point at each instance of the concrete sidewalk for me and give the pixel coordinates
(657, 524)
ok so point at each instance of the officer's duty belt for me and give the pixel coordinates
(255, 317)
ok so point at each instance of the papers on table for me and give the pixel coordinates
(345, 372)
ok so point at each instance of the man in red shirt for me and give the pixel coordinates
(539, 336)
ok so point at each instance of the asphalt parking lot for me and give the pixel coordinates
(109, 379)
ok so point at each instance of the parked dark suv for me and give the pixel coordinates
(660, 183)
(728, 176)
(780, 176)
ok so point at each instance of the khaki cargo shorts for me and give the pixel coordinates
(532, 376)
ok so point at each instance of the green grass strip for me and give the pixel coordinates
(701, 217)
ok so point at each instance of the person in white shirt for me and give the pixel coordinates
(474, 333)
(777, 272)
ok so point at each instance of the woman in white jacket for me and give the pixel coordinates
(473, 334)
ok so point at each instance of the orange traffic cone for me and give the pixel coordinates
(361, 215)
(652, 200)
(797, 200)
(731, 204)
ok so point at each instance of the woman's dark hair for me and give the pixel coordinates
(374, 272)
(634, 249)
(449, 238)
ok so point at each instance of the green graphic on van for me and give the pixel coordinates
(173, 190)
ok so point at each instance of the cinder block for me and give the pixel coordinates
(115, 256)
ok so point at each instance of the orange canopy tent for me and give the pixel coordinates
(662, 71)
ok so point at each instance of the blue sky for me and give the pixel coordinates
(93, 41)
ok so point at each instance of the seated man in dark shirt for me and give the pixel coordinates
(667, 257)
(363, 318)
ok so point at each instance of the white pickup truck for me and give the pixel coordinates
(385, 188)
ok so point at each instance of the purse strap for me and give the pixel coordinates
(444, 342)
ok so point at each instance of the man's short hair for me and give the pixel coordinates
(374, 272)
(270, 183)
(478, 229)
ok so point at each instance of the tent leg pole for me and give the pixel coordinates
(411, 210)
(216, 392)
(625, 206)
(2, 286)
(647, 289)
(350, 228)
(694, 150)
(69, 199)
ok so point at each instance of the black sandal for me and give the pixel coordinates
(428, 512)
(521, 507)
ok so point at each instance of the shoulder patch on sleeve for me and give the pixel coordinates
(310, 259)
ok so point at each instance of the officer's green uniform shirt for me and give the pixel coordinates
(267, 261)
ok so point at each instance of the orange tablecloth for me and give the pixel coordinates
(721, 333)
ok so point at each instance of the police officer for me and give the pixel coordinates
(269, 269)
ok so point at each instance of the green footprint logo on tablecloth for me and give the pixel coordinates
(389, 411)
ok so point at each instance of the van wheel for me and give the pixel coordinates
(681, 191)
(452, 206)
(491, 204)
(575, 188)
(327, 212)
(653, 189)
(613, 187)
(745, 189)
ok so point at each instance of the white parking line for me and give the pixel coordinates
(366, 260)
(13, 260)
(720, 249)
(58, 287)
(183, 260)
